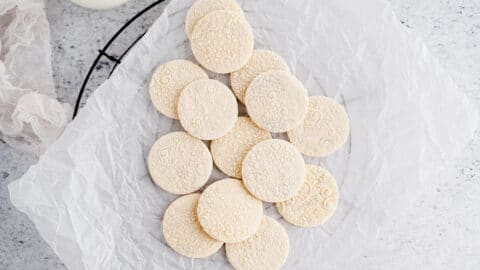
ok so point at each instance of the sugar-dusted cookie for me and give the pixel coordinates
(179, 163)
(183, 232)
(324, 130)
(276, 101)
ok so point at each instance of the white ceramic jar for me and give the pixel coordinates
(99, 4)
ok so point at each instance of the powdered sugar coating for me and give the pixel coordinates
(266, 250)
(168, 81)
(227, 212)
(315, 202)
(200, 8)
(260, 61)
(182, 231)
(229, 151)
(207, 109)
(222, 41)
(276, 101)
(273, 170)
(324, 130)
(179, 163)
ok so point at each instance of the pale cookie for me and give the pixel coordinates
(202, 7)
(273, 170)
(179, 163)
(222, 41)
(182, 231)
(168, 81)
(276, 101)
(228, 151)
(324, 130)
(228, 213)
(315, 202)
(261, 61)
(266, 250)
(207, 109)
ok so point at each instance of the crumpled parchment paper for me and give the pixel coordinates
(31, 118)
(93, 201)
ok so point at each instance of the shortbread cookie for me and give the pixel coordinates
(324, 130)
(266, 250)
(315, 202)
(168, 81)
(228, 151)
(179, 163)
(228, 213)
(207, 109)
(202, 7)
(222, 41)
(276, 101)
(261, 61)
(183, 232)
(273, 170)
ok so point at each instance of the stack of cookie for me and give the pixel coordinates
(260, 168)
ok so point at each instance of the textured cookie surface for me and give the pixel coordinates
(202, 7)
(261, 61)
(228, 151)
(227, 212)
(179, 163)
(273, 170)
(324, 130)
(276, 101)
(207, 109)
(168, 81)
(315, 202)
(266, 250)
(182, 231)
(222, 41)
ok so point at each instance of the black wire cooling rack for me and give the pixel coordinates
(115, 58)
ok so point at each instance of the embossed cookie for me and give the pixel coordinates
(227, 212)
(228, 151)
(222, 41)
(202, 7)
(324, 130)
(179, 163)
(266, 250)
(276, 101)
(207, 109)
(273, 170)
(168, 81)
(261, 61)
(315, 202)
(182, 231)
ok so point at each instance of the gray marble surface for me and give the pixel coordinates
(441, 230)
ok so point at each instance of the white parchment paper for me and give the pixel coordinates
(31, 117)
(92, 199)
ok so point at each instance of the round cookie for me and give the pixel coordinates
(273, 170)
(324, 130)
(315, 202)
(222, 41)
(179, 163)
(228, 151)
(276, 101)
(182, 231)
(207, 109)
(228, 213)
(168, 81)
(266, 250)
(260, 61)
(202, 7)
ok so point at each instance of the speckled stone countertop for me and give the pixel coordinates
(441, 230)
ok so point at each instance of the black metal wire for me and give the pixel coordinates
(103, 52)
(125, 52)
